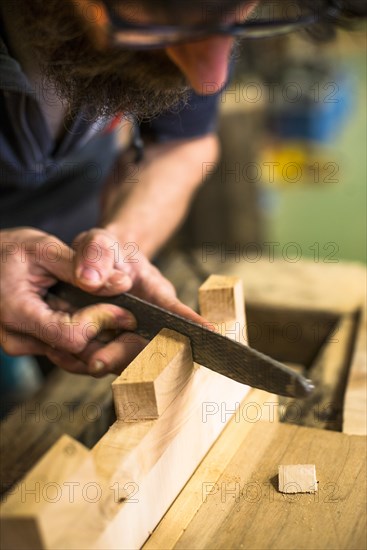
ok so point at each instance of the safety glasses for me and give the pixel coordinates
(142, 37)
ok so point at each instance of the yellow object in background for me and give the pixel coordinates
(297, 163)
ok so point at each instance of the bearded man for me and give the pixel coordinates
(81, 82)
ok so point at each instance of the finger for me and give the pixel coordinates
(56, 258)
(68, 362)
(87, 353)
(21, 344)
(64, 331)
(160, 291)
(94, 261)
(184, 311)
(155, 288)
(152, 286)
(115, 356)
(98, 318)
(58, 304)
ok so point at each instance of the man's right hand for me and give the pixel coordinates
(31, 262)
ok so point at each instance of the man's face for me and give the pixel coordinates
(108, 80)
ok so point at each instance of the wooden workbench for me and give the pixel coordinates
(232, 501)
(245, 458)
(304, 313)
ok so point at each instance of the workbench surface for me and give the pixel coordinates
(232, 500)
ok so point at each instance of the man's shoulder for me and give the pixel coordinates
(12, 77)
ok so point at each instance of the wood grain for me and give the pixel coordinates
(293, 309)
(329, 372)
(72, 404)
(243, 509)
(136, 468)
(221, 301)
(355, 401)
(297, 478)
(150, 383)
(28, 510)
(257, 405)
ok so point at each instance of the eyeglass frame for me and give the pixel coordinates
(187, 33)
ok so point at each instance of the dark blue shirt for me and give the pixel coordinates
(56, 187)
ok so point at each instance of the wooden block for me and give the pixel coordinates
(222, 303)
(221, 298)
(27, 511)
(183, 510)
(151, 382)
(297, 478)
(137, 469)
(78, 405)
(355, 400)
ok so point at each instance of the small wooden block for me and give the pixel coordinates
(26, 515)
(297, 478)
(156, 376)
(222, 303)
(221, 298)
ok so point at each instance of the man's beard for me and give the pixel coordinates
(103, 82)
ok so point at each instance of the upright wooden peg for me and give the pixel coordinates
(222, 303)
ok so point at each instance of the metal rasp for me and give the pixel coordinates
(216, 352)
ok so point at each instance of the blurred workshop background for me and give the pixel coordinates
(285, 210)
(293, 167)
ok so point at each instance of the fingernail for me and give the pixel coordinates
(131, 323)
(97, 367)
(90, 275)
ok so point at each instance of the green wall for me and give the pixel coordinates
(331, 213)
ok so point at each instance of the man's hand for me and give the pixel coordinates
(102, 262)
(32, 261)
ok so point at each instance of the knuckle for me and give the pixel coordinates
(27, 311)
(73, 346)
(12, 348)
(7, 347)
(79, 239)
(104, 241)
(65, 333)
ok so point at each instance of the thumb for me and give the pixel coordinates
(94, 261)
